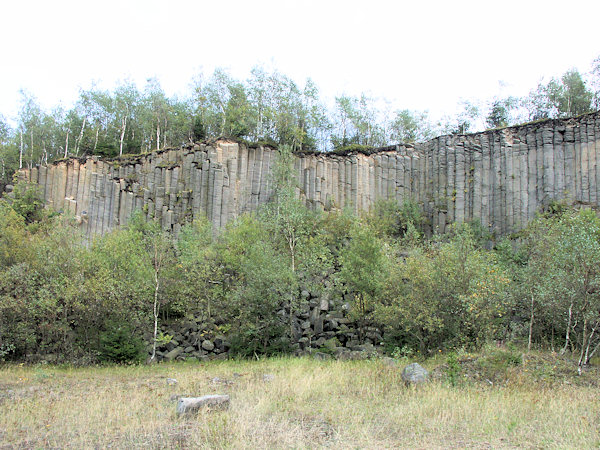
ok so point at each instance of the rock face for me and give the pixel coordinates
(191, 405)
(501, 177)
(414, 374)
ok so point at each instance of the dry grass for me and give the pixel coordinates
(361, 404)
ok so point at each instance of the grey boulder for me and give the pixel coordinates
(415, 374)
(190, 405)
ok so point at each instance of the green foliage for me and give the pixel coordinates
(13, 236)
(120, 344)
(199, 270)
(388, 218)
(256, 285)
(28, 202)
(494, 362)
(410, 126)
(363, 270)
(453, 369)
(67, 297)
(447, 294)
(465, 120)
(565, 97)
(357, 123)
(499, 114)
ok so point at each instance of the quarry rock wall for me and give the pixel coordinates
(501, 177)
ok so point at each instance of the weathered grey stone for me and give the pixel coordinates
(208, 345)
(324, 304)
(321, 356)
(171, 344)
(191, 405)
(351, 355)
(320, 342)
(318, 327)
(314, 314)
(390, 362)
(415, 374)
(502, 177)
(173, 353)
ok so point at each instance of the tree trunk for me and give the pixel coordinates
(67, 144)
(564, 349)
(80, 138)
(587, 357)
(96, 140)
(158, 134)
(530, 324)
(291, 318)
(21, 150)
(165, 133)
(155, 312)
(123, 128)
(31, 151)
(581, 362)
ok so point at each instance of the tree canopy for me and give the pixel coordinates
(268, 107)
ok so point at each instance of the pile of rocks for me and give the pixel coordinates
(322, 325)
(192, 340)
(325, 324)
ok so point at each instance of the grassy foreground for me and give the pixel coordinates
(352, 404)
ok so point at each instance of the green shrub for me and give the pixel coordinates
(495, 362)
(28, 202)
(453, 370)
(119, 344)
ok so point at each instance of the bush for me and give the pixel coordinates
(120, 344)
(28, 202)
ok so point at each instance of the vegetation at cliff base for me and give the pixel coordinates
(64, 298)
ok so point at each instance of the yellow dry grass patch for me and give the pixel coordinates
(309, 404)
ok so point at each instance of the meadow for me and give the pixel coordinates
(536, 401)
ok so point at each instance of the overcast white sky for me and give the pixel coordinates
(418, 54)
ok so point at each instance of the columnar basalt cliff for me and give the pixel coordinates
(501, 177)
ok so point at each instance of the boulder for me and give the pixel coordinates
(324, 304)
(390, 362)
(318, 325)
(172, 344)
(314, 314)
(268, 377)
(221, 343)
(349, 355)
(415, 374)
(319, 342)
(208, 345)
(320, 356)
(174, 353)
(191, 405)
(366, 347)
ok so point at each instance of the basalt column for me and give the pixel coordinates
(500, 177)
